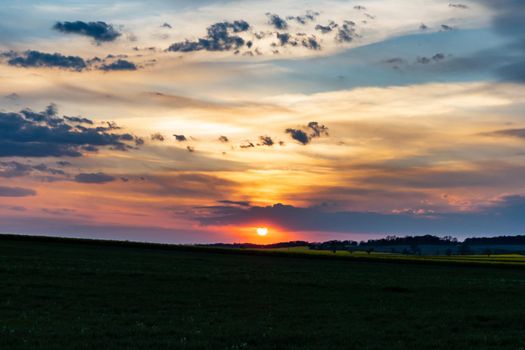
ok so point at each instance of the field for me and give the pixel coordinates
(502, 260)
(76, 295)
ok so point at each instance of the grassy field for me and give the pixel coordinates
(493, 260)
(73, 295)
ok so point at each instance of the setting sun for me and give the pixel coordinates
(262, 231)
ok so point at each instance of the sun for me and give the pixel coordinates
(262, 231)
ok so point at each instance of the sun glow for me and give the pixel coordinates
(262, 231)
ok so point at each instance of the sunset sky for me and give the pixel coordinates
(189, 122)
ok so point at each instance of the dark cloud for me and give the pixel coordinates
(423, 26)
(238, 203)
(277, 21)
(298, 135)
(37, 59)
(311, 42)
(63, 163)
(166, 25)
(223, 139)
(395, 60)
(346, 32)
(312, 130)
(247, 145)
(317, 129)
(99, 31)
(180, 138)
(94, 178)
(266, 141)
(15, 169)
(520, 133)
(45, 134)
(446, 27)
(16, 192)
(423, 60)
(327, 28)
(284, 38)
(78, 120)
(438, 57)
(190, 149)
(118, 65)
(157, 137)
(308, 17)
(219, 38)
(42, 59)
(504, 216)
(300, 39)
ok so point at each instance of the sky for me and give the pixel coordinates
(193, 122)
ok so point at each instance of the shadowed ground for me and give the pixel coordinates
(73, 295)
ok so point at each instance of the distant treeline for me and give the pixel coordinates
(411, 241)
(507, 240)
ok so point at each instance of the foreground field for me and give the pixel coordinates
(67, 295)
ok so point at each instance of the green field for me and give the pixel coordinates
(513, 260)
(78, 295)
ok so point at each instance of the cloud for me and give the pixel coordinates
(180, 138)
(94, 178)
(312, 130)
(63, 163)
(309, 16)
(266, 141)
(504, 216)
(520, 133)
(78, 120)
(42, 59)
(426, 60)
(37, 59)
(247, 145)
(277, 21)
(15, 169)
(99, 31)
(298, 135)
(317, 129)
(223, 139)
(16, 192)
(45, 134)
(238, 203)
(219, 38)
(118, 65)
(300, 39)
(327, 28)
(458, 6)
(346, 32)
(157, 137)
